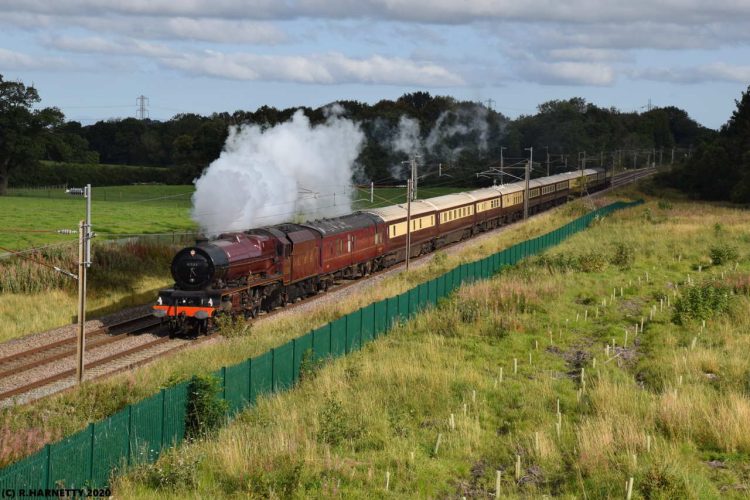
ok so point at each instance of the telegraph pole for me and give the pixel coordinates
(413, 162)
(81, 340)
(408, 222)
(526, 190)
(547, 148)
(502, 164)
(84, 262)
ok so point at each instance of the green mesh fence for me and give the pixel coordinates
(140, 432)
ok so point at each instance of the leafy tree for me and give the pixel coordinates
(720, 167)
(21, 128)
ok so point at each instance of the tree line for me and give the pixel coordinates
(720, 168)
(461, 137)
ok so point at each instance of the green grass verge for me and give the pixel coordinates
(668, 407)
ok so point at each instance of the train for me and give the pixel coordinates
(258, 270)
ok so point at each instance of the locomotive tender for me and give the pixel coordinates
(261, 269)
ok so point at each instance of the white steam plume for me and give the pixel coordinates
(273, 175)
(406, 140)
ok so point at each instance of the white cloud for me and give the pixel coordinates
(223, 31)
(568, 73)
(715, 72)
(10, 59)
(332, 68)
(426, 11)
(101, 45)
(583, 54)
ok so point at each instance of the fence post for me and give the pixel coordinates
(273, 371)
(163, 418)
(130, 428)
(91, 453)
(48, 453)
(224, 383)
(294, 357)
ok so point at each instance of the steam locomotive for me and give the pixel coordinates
(265, 268)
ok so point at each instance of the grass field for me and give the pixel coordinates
(115, 210)
(29, 217)
(437, 408)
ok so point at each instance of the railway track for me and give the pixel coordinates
(60, 349)
(23, 377)
(28, 374)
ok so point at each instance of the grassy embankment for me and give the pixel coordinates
(436, 408)
(35, 298)
(26, 428)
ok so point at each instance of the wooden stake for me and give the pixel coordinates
(648, 443)
(629, 494)
(586, 315)
(641, 324)
(452, 422)
(515, 365)
(536, 345)
(473, 396)
(558, 405)
(464, 409)
(497, 484)
(501, 374)
(692, 344)
(518, 467)
(387, 480)
(437, 444)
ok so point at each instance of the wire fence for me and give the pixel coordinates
(140, 432)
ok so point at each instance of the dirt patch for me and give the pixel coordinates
(471, 487)
(533, 475)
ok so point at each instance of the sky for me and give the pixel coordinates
(93, 58)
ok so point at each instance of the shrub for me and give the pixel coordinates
(206, 410)
(561, 263)
(177, 469)
(233, 326)
(665, 480)
(665, 205)
(723, 253)
(624, 256)
(334, 422)
(702, 302)
(309, 366)
(591, 262)
(279, 479)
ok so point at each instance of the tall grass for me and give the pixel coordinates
(114, 266)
